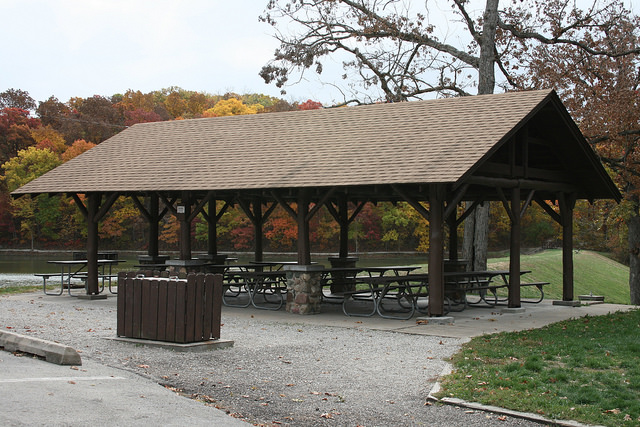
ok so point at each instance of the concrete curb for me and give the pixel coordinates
(51, 351)
(496, 409)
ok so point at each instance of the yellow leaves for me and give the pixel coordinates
(232, 107)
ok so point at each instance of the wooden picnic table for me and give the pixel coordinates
(270, 285)
(407, 290)
(76, 269)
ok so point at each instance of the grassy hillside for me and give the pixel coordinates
(592, 273)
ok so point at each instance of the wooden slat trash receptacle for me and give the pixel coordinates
(164, 309)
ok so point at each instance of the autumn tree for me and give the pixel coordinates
(16, 125)
(16, 98)
(310, 105)
(48, 137)
(601, 92)
(54, 113)
(37, 215)
(78, 147)
(175, 104)
(232, 107)
(394, 51)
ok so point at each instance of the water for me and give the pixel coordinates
(19, 269)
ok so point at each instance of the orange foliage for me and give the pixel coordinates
(79, 146)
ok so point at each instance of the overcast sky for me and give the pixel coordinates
(68, 48)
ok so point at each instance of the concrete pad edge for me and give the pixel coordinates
(51, 351)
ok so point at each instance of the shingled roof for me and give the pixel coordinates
(421, 142)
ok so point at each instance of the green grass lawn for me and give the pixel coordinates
(593, 273)
(8, 290)
(585, 369)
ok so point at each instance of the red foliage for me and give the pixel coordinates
(15, 132)
(140, 116)
(310, 105)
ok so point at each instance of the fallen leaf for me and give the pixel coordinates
(326, 415)
(72, 382)
(143, 366)
(502, 418)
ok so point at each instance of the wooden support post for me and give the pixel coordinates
(436, 251)
(93, 206)
(514, 250)
(212, 230)
(304, 246)
(184, 212)
(567, 204)
(344, 226)
(258, 229)
(154, 221)
(453, 238)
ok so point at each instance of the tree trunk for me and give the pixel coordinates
(634, 258)
(476, 229)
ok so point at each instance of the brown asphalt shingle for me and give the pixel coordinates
(412, 142)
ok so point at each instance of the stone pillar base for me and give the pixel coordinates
(304, 288)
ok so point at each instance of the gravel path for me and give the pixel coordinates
(276, 373)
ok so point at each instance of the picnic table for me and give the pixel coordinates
(371, 277)
(243, 283)
(76, 269)
(409, 291)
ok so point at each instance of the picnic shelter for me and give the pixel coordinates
(515, 148)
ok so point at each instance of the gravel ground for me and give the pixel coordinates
(276, 373)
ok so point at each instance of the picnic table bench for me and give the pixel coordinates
(74, 269)
(410, 292)
(250, 281)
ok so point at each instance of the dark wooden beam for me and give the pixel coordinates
(80, 204)
(93, 206)
(321, 203)
(567, 204)
(526, 184)
(356, 211)
(200, 207)
(527, 203)
(499, 169)
(457, 198)
(549, 210)
(505, 204)
(185, 225)
(304, 247)
(143, 210)
(514, 250)
(412, 202)
(436, 252)
(284, 204)
(106, 205)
